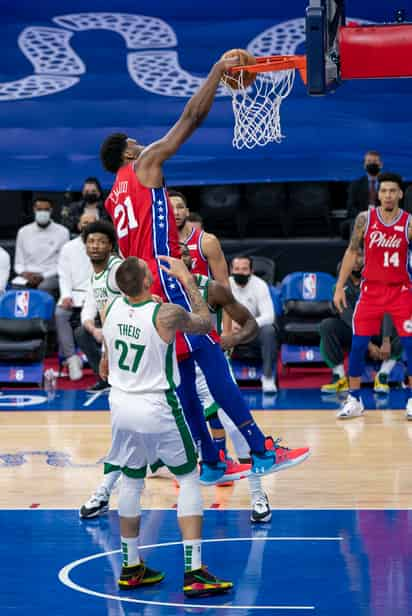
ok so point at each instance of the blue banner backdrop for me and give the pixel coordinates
(74, 71)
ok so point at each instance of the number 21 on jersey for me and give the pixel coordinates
(124, 217)
(390, 260)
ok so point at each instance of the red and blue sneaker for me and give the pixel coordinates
(277, 457)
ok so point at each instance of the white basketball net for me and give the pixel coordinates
(257, 108)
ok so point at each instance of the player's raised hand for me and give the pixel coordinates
(339, 299)
(174, 267)
(225, 64)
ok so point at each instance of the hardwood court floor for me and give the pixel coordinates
(51, 460)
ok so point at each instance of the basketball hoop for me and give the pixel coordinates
(256, 107)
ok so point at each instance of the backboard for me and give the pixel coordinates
(323, 20)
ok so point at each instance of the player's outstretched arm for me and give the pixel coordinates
(172, 318)
(349, 260)
(218, 295)
(195, 111)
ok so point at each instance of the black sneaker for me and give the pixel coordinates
(97, 504)
(99, 386)
(201, 583)
(138, 575)
(261, 509)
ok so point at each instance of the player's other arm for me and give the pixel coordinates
(149, 168)
(349, 260)
(172, 318)
(218, 295)
(213, 252)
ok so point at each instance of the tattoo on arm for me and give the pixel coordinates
(173, 318)
(356, 240)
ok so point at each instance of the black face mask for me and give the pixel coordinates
(241, 279)
(356, 274)
(372, 168)
(91, 198)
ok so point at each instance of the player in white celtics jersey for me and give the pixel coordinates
(148, 425)
(219, 297)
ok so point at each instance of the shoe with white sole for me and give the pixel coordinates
(97, 504)
(74, 365)
(352, 407)
(268, 385)
(260, 512)
(408, 413)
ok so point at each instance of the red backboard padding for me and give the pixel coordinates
(375, 51)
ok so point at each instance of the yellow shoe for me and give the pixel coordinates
(380, 385)
(336, 386)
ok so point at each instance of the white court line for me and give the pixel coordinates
(57, 425)
(64, 576)
(93, 398)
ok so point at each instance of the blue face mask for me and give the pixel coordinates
(42, 217)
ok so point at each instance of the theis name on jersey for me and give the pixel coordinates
(380, 239)
(119, 189)
(126, 329)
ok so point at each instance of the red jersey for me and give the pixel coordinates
(386, 249)
(144, 221)
(200, 264)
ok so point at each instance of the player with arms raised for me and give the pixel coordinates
(385, 233)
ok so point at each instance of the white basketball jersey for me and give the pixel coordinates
(103, 284)
(139, 360)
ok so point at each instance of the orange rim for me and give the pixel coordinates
(266, 64)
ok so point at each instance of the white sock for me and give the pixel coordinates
(109, 480)
(387, 366)
(255, 486)
(130, 551)
(339, 371)
(192, 554)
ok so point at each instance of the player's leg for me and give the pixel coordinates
(401, 313)
(335, 336)
(134, 571)
(98, 503)
(267, 455)
(175, 449)
(213, 469)
(260, 506)
(367, 318)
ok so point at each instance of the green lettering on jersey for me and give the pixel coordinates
(127, 349)
(125, 329)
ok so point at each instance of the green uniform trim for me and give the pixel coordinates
(211, 410)
(137, 304)
(110, 307)
(154, 315)
(133, 473)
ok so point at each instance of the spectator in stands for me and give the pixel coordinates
(363, 192)
(336, 337)
(254, 293)
(91, 202)
(74, 269)
(89, 338)
(4, 269)
(195, 220)
(38, 246)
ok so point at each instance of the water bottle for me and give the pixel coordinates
(49, 383)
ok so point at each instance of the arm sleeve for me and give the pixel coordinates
(4, 270)
(89, 310)
(265, 304)
(63, 272)
(19, 264)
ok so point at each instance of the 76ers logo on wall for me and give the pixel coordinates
(309, 286)
(21, 307)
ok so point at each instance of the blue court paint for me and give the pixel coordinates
(287, 399)
(342, 563)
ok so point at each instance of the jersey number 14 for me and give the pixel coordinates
(390, 259)
(125, 218)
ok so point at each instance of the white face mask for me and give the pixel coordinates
(42, 217)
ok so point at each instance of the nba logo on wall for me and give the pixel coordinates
(21, 307)
(309, 286)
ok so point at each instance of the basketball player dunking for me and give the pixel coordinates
(386, 287)
(145, 226)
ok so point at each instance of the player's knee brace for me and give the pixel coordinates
(129, 497)
(407, 347)
(357, 355)
(190, 498)
(240, 444)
